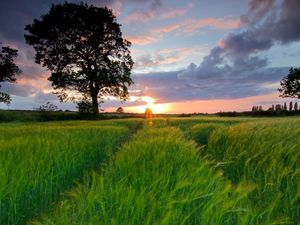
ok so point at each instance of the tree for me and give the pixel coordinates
(8, 70)
(285, 106)
(296, 106)
(290, 85)
(83, 47)
(120, 110)
(278, 107)
(291, 106)
(85, 107)
(48, 107)
(148, 113)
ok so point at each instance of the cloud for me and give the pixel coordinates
(193, 25)
(144, 39)
(151, 11)
(155, 11)
(188, 26)
(172, 13)
(168, 59)
(235, 68)
(171, 87)
(269, 19)
(236, 63)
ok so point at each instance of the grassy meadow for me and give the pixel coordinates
(197, 170)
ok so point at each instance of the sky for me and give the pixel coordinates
(190, 56)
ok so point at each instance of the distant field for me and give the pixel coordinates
(197, 170)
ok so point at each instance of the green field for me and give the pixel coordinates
(198, 170)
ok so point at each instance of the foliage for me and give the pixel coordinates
(158, 178)
(290, 85)
(248, 172)
(84, 49)
(48, 107)
(148, 113)
(40, 161)
(85, 107)
(8, 70)
(266, 153)
(120, 110)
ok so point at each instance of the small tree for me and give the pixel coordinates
(291, 106)
(278, 107)
(83, 47)
(48, 107)
(85, 107)
(285, 106)
(120, 110)
(8, 70)
(296, 106)
(148, 113)
(290, 85)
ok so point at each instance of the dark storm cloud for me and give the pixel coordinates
(278, 21)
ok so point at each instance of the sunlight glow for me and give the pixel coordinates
(150, 103)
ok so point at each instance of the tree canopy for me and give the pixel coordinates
(8, 70)
(120, 110)
(83, 47)
(290, 85)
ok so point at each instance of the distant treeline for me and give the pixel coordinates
(40, 116)
(278, 107)
(267, 113)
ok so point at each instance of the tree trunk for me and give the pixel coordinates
(95, 103)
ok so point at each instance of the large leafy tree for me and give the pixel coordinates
(83, 47)
(8, 70)
(290, 85)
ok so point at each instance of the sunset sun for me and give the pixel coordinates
(149, 103)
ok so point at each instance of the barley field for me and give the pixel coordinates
(198, 170)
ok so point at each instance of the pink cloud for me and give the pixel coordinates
(166, 29)
(154, 14)
(142, 40)
(37, 83)
(139, 17)
(190, 26)
(218, 23)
